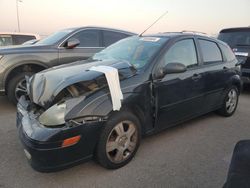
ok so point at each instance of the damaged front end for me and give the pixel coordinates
(65, 91)
(64, 112)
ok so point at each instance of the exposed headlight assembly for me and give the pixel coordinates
(55, 115)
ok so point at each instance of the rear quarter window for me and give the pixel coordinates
(228, 53)
(210, 51)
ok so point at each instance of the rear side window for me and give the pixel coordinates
(88, 38)
(184, 52)
(20, 39)
(227, 52)
(110, 37)
(5, 40)
(210, 51)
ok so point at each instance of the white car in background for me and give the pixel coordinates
(9, 39)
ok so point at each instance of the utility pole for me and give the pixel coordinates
(17, 14)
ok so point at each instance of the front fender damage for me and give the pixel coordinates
(83, 98)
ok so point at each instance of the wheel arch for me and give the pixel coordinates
(27, 66)
(236, 81)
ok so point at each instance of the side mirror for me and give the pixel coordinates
(72, 43)
(174, 68)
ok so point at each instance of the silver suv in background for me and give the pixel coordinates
(10, 39)
(62, 47)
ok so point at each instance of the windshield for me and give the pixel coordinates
(55, 37)
(136, 50)
(233, 39)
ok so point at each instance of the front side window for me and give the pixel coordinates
(210, 51)
(184, 52)
(88, 38)
(55, 37)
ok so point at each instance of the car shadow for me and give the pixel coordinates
(6, 106)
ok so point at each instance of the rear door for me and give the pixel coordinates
(179, 96)
(110, 37)
(90, 43)
(216, 72)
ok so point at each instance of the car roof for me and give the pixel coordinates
(103, 28)
(235, 29)
(171, 35)
(180, 34)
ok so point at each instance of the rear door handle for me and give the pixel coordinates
(196, 77)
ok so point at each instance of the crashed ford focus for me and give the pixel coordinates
(100, 108)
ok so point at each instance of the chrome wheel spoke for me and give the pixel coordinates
(232, 101)
(20, 88)
(119, 129)
(111, 146)
(130, 131)
(227, 104)
(119, 155)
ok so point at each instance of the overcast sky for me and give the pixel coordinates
(47, 16)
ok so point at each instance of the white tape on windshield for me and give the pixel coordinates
(112, 77)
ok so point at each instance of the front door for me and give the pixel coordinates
(179, 96)
(90, 43)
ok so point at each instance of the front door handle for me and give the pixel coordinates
(225, 68)
(196, 77)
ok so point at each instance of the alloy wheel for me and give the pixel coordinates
(122, 141)
(231, 101)
(21, 88)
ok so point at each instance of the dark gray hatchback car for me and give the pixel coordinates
(76, 112)
(62, 47)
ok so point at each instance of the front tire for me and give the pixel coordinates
(119, 140)
(17, 87)
(230, 102)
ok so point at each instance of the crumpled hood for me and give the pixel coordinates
(44, 86)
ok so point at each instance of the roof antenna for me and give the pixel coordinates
(153, 23)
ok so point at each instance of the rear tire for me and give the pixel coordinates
(17, 86)
(119, 140)
(230, 102)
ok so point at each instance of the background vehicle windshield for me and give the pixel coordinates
(5, 40)
(233, 39)
(54, 38)
(136, 50)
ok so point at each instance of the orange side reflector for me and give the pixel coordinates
(71, 141)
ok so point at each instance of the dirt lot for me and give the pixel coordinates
(194, 154)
